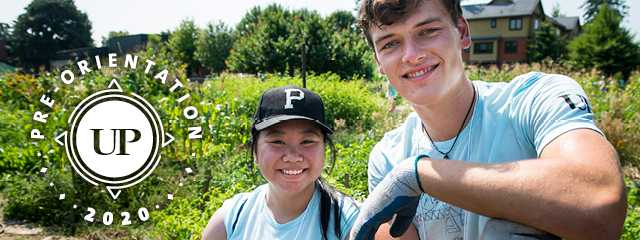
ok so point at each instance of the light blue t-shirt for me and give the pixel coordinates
(512, 121)
(256, 222)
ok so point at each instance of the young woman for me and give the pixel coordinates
(289, 140)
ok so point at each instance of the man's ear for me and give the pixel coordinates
(463, 30)
(375, 56)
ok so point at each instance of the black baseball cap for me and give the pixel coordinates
(281, 104)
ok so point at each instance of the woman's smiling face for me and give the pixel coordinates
(291, 155)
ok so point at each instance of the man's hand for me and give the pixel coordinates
(397, 194)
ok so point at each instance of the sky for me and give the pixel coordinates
(151, 17)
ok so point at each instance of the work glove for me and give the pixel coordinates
(505, 229)
(397, 194)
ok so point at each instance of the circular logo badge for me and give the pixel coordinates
(114, 139)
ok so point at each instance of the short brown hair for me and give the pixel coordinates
(386, 12)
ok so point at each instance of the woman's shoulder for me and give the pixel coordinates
(243, 201)
(349, 207)
(251, 196)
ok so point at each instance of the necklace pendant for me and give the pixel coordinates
(446, 156)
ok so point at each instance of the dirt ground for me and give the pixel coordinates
(20, 230)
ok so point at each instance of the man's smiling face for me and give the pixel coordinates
(421, 53)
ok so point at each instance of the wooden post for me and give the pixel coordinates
(205, 188)
(346, 180)
(304, 75)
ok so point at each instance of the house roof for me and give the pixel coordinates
(6, 68)
(500, 9)
(569, 23)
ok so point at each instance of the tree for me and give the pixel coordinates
(182, 44)
(5, 31)
(249, 21)
(213, 46)
(545, 43)
(48, 26)
(112, 34)
(555, 12)
(606, 45)
(593, 6)
(262, 45)
(342, 19)
(273, 39)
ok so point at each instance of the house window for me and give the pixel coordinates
(493, 23)
(536, 24)
(511, 47)
(515, 24)
(481, 48)
(558, 32)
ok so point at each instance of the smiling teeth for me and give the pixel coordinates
(292, 172)
(419, 73)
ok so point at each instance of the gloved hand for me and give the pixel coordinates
(398, 193)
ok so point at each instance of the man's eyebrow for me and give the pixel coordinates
(425, 22)
(380, 39)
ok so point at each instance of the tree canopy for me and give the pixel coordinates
(48, 26)
(545, 43)
(213, 46)
(271, 41)
(5, 31)
(606, 45)
(592, 7)
(555, 12)
(182, 44)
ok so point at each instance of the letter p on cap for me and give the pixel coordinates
(288, 105)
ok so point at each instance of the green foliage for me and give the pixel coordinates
(5, 31)
(213, 46)
(606, 45)
(271, 42)
(343, 20)
(182, 44)
(226, 103)
(349, 101)
(225, 106)
(593, 7)
(555, 12)
(112, 34)
(250, 20)
(29, 196)
(632, 221)
(48, 26)
(545, 43)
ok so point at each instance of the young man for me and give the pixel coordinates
(481, 160)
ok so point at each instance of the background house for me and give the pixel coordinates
(4, 54)
(501, 29)
(568, 27)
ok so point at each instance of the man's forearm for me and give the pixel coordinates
(575, 197)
